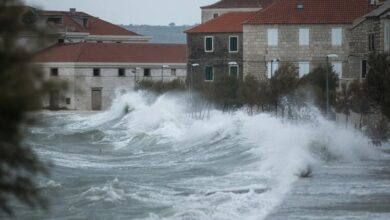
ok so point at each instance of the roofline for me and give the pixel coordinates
(110, 64)
(213, 20)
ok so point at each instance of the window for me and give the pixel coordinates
(54, 72)
(337, 36)
(209, 73)
(209, 44)
(147, 72)
(61, 41)
(338, 68)
(304, 68)
(121, 72)
(96, 72)
(234, 71)
(233, 44)
(304, 37)
(387, 36)
(67, 101)
(272, 67)
(272, 34)
(371, 42)
(55, 20)
(215, 15)
(173, 72)
(364, 68)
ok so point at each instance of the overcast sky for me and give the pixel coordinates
(154, 12)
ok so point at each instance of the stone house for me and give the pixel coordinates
(224, 6)
(215, 48)
(95, 71)
(369, 34)
(307, 33)
(71, 27)
(74, 26)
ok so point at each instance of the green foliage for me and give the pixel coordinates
(21, 90)
(224, 92)
(316, 79)
(378, 81)
(344, 100)
(161, 87)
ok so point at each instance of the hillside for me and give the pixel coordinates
(161, 34)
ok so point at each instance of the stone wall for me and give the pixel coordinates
(257, 52)
(219, 59)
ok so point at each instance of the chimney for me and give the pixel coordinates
(72, 10)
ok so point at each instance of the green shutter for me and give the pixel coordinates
(233, 44)
(209, 74)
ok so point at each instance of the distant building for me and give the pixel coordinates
(74, 26)
(215, 48)
(94, 71)
(224, 6)
(307, 33)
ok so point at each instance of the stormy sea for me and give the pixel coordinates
(149, 158)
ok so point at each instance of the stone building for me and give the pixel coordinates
(215, 48)
(95, 71)
(224, 6)
(369, 34)
(70, 27)
(306, 32)
(74, 26)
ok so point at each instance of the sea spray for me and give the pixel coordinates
(172, 166)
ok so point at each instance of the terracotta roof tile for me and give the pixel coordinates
(227, 23)
(114, 53)
(96, 26)
(239, 4)
(313, 12)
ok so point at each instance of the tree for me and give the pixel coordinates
(21, 90)
(344, 101)
(378, 81)
(360, 99)
(282, 83)
(249, 92)
(316, 79)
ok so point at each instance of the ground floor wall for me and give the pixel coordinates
(77, 88)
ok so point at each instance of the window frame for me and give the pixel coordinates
(272, 64)
(238, 70)
(212, 74)
(212, 44)
(96, 72)
(334, 33)
(300, 70)
(273, 42)
(120, 73)
(230, 40)
(54, 71)
(303, 32)
(363, 75)
(334, 63)
(148, 71)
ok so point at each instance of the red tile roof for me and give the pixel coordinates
(114, 53)
(313, 12)
(96, 26)
(239, 4)
(227, 23)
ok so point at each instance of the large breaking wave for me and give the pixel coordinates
(172, 166)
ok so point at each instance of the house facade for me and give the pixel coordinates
(307, 33)
(224, 6)
(369, 34)
(94, 72)
(215, 48)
